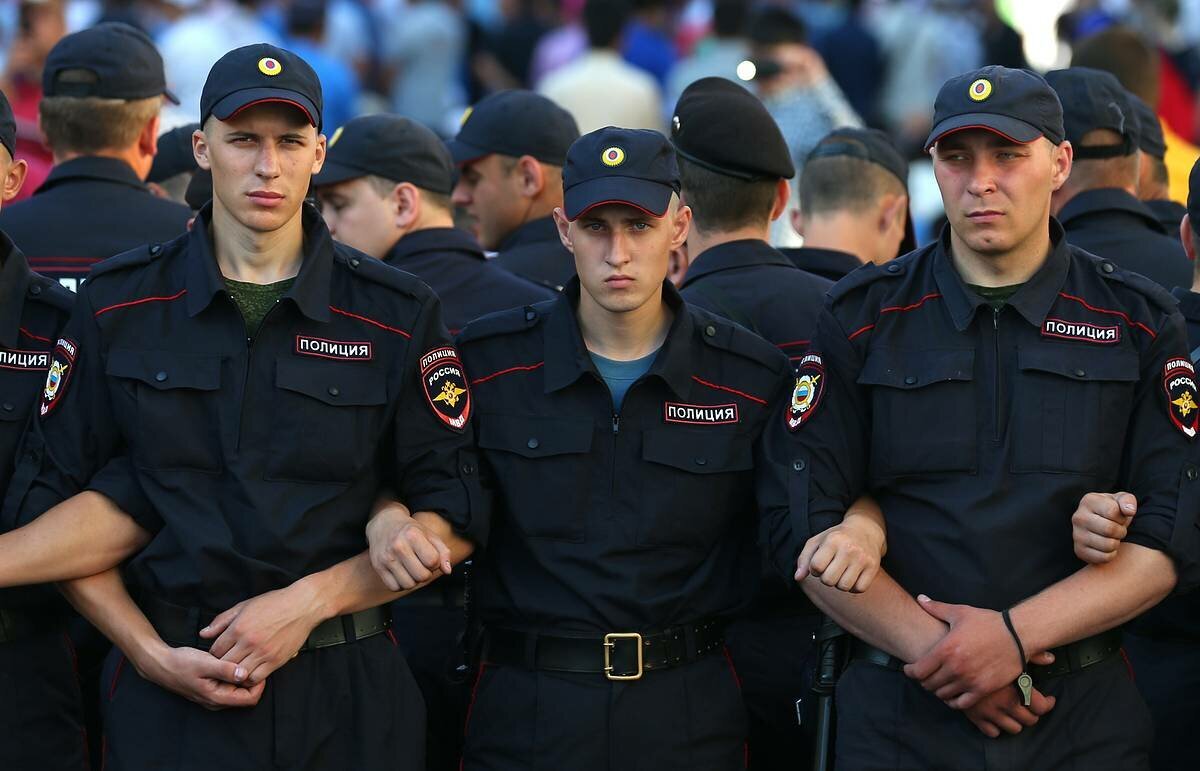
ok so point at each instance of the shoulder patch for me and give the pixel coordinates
(1183, 401)
(807, 393)
(505, 322)
(62, 366)
(446, 388)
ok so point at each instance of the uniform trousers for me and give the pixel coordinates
(1167, 673)
(41, 713)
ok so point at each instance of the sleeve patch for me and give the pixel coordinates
(62, 365)
(1179, 381)
(807, 393)
(445, 386)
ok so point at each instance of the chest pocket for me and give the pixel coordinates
(1072, 408)
(176, 408)
(543, 472)
(328, 419)
(695, 479)
(923, 411)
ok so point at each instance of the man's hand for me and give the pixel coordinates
(264, 633)
(200, 677)
(845, 556)
(977, 656)
(1100, 524)
(1003, 711)
(404, 552)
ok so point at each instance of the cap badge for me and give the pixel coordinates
(613, 156)
(270, 67)
(981, 89)
(675, 123)
(336, 136)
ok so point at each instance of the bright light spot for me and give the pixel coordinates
(746, 70)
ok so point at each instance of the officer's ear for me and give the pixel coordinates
(681, 224)
(147, 141)
(407, 202)
(531, 177)
(783, 194)
(200, 149)
(564, 228)
(14, 178)
(1062, 156)
(1186, 235)
(319, 159)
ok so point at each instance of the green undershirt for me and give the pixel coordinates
(255, 300)
(995, 296)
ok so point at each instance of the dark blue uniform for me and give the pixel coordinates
(978, 429)
(535, 252)
(469, 286)
(256, 462)
(41, 715)
(826, 263)
(88, 209)
(1168, 213)
(1112, 224)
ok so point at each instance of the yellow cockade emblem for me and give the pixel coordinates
(449, 394)
(1184, 403)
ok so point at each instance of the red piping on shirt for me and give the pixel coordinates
(32, 336)
(896, 309)
(372, 322)
(1123, 315)
(794, 343)
(471, 706)
(175, 296)
(727, 389)
(486, 378)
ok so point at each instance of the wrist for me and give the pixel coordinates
(1027, 630)
(148, 656)
(314, 598)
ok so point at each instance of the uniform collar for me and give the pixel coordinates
(534, 231)
(433, 240)
(15, 278)
(310, 291)
(734, 254)
(1107, 199)
(93, 167)
(1189, 303)
(567, 358)
(1033, 300)
(823, 261)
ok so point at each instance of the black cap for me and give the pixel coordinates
(515, 123)
(1016, 104)
(1149, 130)
(110, 60)
(751, 147)
(1091, 100)
(174, 155)
(391, 147)
(260, 73)
(870, 145)
(8, 126)
(1193, 199)
(617, 165)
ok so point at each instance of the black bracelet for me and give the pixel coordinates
(1016, 638)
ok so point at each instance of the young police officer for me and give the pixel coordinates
(264, 383)
(1054, 373)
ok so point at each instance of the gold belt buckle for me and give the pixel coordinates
(610, 642)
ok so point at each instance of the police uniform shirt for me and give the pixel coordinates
(1168, 213)
(88, 209)
(453, 265)
(827, 263)
(258, 461)
(637, 519)
(751, 283)
(979, 430)
(1112, 224)
(535, 252)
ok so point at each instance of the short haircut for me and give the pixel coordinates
(838, 183)
(384, 188)
(1096, 173)
(603, 20)
(1126, 54)
(721, 203)
(90, 124)
(774, 26)
(1158, 169)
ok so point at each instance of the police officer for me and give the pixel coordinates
(174, 164)
(264, 383)
(510, 151)
(621, 427)
(853, 204)
(1154, 179)
(385, 190)
(41, 715)
(1052, 373)
(103, 88)
(1098, 206)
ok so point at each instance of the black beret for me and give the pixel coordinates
(726, 129)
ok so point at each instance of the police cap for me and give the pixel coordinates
(1093, 100)
(260, 73)
(871, 145)
(8, 126)
(750, 147)
(615, 165)
(1149, 131)
(174, 155)
(391, 147)
(110, 60)
(1016, 104)
(515, 123)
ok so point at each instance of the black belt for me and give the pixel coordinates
(1074, 657)
(21, 624)
(618, 655)
(181, 626)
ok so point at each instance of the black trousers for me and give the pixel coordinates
(41, 713)
(776, 660)
(886, 721)
(688, 718)
(1167, 673)
(352, 706)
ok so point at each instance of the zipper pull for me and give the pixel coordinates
(616, 422)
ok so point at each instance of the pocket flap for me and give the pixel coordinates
(698, 452)
(334, 383)
(913, 369)
(1081, 363)
(166, 370)
(534, 437)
